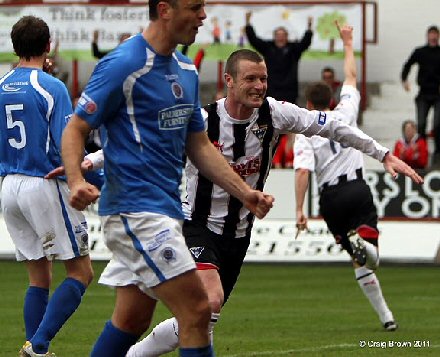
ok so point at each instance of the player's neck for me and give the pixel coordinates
(155, 35)
(236, 110)
(33, 62)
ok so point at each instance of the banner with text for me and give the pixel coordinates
(223, 31)
(397, 198)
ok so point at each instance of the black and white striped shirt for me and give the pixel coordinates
(248, 146)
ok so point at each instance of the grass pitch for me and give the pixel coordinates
(275, 310)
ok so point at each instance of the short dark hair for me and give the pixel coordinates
(152, 7)
(319, 94)
(30, 36)
(243, 54)
(328, 69)
(433, 28)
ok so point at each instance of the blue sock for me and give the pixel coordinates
(35, 303)
(114, 340)
(64, 301)
(197, 352)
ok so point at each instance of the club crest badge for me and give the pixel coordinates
(177, 90)
(196, 251)
(259, 131)
(168, 254)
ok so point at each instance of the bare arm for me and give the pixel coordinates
(346, 33)
(301, 185)
(212, 165)
(72, 150)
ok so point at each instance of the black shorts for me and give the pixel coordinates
(347, 206)
(227, 254)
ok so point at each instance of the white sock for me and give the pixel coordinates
(214, 318)
(372, 255)
(370, 286)
(163, 339)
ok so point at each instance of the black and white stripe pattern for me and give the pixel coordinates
(248, 145)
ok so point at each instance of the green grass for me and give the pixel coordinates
(275, 310)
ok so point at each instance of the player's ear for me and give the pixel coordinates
(229, 80)
(47, 50)
(164, 10)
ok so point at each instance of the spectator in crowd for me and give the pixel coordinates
(97, 53)
(428, 78)
(328, 76)
(283, 158)
(411, 147)
(145, 95)
(42, 224)
(281, 57)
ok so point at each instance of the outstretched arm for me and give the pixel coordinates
(346, 33)
(394, 165)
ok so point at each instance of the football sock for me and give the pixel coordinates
(372, 255)
(370, 286)
(64, 301)
(197, 352)
(214, 318)
(35, 303)
(114, 340)
(164, 338)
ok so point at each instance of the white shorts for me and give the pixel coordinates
(148, 249)
(40, 220)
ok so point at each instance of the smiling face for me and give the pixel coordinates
(248, 86)
(185, 19)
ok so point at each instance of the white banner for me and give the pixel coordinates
(274, 241)
(73, 26)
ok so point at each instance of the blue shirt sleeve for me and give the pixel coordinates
(104, 92)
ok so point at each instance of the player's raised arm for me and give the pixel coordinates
(346, 34)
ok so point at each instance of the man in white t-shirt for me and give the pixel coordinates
(346, 203)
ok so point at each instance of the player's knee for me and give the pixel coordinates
(85, 275)
(134, 324)
(216, 301)
(199, 317)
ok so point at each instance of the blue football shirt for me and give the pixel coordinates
(147, 104)
(34, 109)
